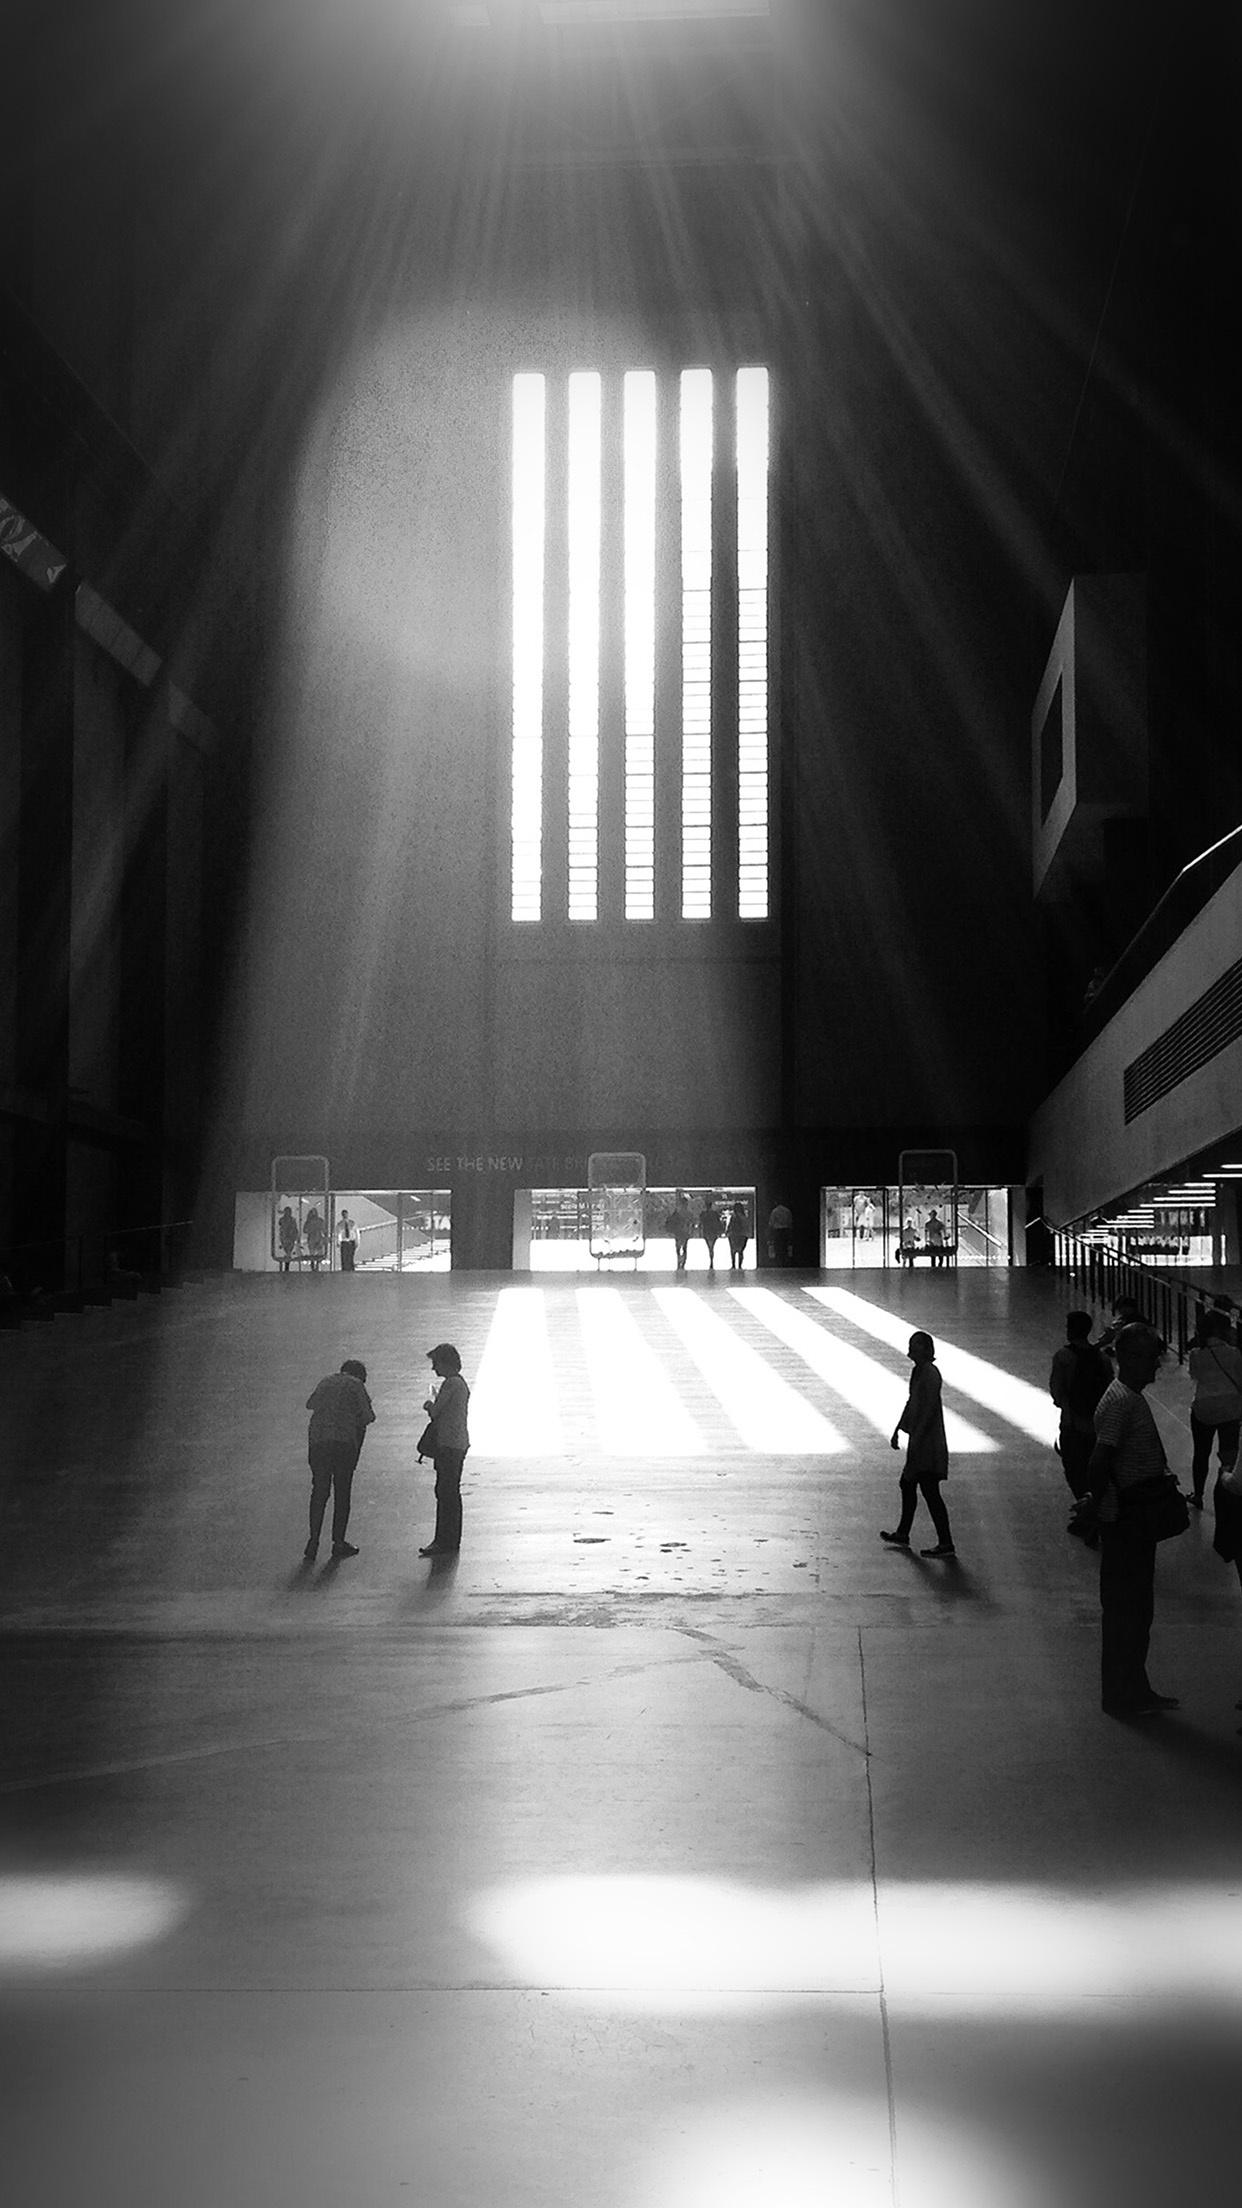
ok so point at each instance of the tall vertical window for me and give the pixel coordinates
(639, 733)
(639, 443)
(584, 573)
(529, 533)
(753, 440)
(696, 644)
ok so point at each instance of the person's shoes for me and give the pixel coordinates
(1160, 1702)
(433, 1549)
(942, 1548)
(344, 1548)
(311, 1551)
(901, 1541)
(1129, 1709)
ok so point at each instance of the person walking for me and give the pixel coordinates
(739, 1236)
(448, 1438)
(1216, 1407)
(316, 1238)
(341, 1411)
(1080, 1373)
(1128, 1458)
(711, 1227)
(348, 1239)
(678, 1224)
(287, 1236)
(780, 1235)
(927, 1454)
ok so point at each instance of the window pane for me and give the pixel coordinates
(529, 490)
(585, 396)
(696, 644)
(639, 432)
(753, 442)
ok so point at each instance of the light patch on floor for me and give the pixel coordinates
(768, 1413)
(1030, 1409)
(867, 1386)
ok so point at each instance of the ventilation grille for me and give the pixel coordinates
(1212, 1021)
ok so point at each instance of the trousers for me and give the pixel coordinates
(1201, 1432)
(448, 1464)
(1127, 1603)
(927, 1485)
(332, 1465)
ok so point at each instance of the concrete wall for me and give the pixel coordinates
(1080, 1145)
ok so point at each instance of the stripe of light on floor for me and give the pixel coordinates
(1016, 1401)
(768, 1413)
(514, 1407)
(638, 1412)
(859, 1380)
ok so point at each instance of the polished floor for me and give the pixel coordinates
(677, 1846)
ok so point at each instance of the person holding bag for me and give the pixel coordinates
(446, 1440)
(1216, 1408)
(1135, 1502)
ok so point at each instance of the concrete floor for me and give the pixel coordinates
(677, 1845)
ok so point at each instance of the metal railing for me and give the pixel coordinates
(1102, 1274)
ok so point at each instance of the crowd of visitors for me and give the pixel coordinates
(1125, 1498)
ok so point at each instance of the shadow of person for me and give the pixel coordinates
(301, 1576)
(329, 1571)
(1189, 1744)
(948, 1577)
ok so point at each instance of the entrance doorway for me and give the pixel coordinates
(552, 1230)
(861, 1228)
(394, 1231)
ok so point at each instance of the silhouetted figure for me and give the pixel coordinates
(679, 1224)
(348, 1238)
(316, 1238)
(1227, 1537)
(340, 1411)
(450, 1439)
(1080, 1373)
(1127, 1463)
(937, 1244)
(739, 1236)
(927, 1452)
(1126, 1311)
(780, 1234)
(711, 1227)
(908, 1244)
(288, 1238)
(1216, 1407)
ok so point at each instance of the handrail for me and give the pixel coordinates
(1180, 903)
(1171, 1306)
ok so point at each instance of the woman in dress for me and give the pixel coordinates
(927, 1456)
